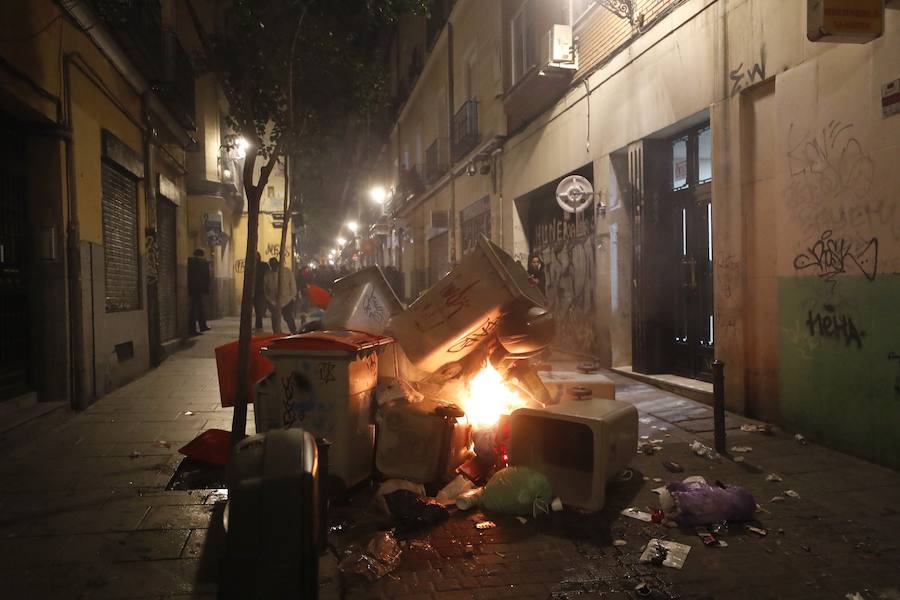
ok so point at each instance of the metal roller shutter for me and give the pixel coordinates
(120, 240)
(168, 274)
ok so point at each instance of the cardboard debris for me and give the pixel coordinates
(665, 553)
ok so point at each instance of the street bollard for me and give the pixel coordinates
(718, 370)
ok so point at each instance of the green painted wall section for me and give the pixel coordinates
(839, 382)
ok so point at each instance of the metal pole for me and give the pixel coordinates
(718, 369)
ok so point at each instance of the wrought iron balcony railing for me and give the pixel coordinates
(437, 159)
(465, 129)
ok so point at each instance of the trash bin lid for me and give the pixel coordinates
(332, 340)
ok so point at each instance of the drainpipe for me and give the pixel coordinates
(450, 112)
(73, 257)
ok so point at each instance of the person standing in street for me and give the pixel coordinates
(198, 286)
(259, 291)
(284, 301)
(536, 273)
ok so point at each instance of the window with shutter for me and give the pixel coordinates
(120, 239)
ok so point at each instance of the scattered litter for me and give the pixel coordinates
(753, 428)
(656, 441)
(161, 444)
(657, 480)
(645, 420)
(517, 491)
(637, 514)
(855, 596)
(673, 467)
(485, 525)
(777, 499)
(392, 485)
(453, 490)
(701, 449)
(522, 520)
(619, 543)
(645, 437)
(657, 448)
(658, 516)
(757, 530)
(802, 440)
(665, 553)
(556, 505)
(135, 454)
(738, 459)
(741, 449)
(774, 477)
(469, 499)
(188, 412)
(470, 550)
(381, 556)
(663, 428)
(791, 494)
(709, 539)
(646, 448)
(412, 511)
(421, 545)
(698, 503)
(500, 554)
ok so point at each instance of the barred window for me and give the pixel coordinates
(120, 239)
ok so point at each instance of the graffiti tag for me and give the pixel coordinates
(741, 78)
(457, 298)
(372, 307)
(326, 372)
(839, 327)
(832, 256)
(475, 337)
(239, 265)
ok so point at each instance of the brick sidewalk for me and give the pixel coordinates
(84, 513)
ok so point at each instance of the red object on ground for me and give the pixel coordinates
(226, 365)
(318, 296)
(211, 447)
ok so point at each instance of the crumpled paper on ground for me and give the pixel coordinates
(381, 556)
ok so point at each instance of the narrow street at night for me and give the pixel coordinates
(450, 299)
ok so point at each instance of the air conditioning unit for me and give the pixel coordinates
(557, 49)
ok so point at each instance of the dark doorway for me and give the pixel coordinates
(168, 270)
(14, 313)
(691, 199)
(673, 329)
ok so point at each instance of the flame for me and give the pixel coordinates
(488, 398)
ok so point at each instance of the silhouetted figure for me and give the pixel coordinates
(284, 301)
(259, 291)
(198, 285)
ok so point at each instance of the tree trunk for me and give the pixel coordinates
(285, 223)
(239, 418)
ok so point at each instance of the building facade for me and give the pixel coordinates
(746, 207)
(112, 177)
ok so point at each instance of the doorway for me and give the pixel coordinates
(672, 320)
(14, 281)
(691, 200)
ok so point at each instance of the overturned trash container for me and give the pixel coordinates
(579, 445)
(462, 310)
(324, 382)
(362, 301)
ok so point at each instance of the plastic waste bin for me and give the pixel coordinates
(579, 445)
(363, 301)
(324, 382)
(463, 309)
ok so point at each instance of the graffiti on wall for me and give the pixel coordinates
(742, 77)
(832, 255)
(835, 326)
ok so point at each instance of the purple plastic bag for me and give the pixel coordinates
(702, 504)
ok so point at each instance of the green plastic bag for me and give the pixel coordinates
(517, 491)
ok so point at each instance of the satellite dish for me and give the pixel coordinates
(574, 193)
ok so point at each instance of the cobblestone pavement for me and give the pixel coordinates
(84, 513)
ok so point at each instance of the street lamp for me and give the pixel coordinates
(341, 241)
(353, 226)
(378, 194)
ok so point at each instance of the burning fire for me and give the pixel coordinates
(488, 398)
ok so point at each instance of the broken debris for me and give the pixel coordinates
(665, 553)
(701, 449)
(381, 556)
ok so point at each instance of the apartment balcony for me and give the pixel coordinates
(540, 85)
(437, 159)
(465, 129)
(176, 89)
(137, 27)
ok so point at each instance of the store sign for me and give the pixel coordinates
(853, 21)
